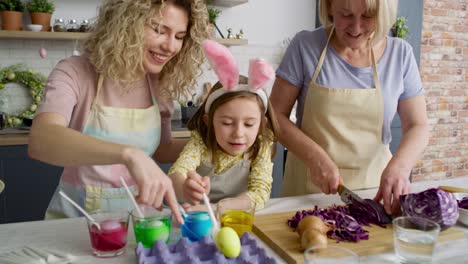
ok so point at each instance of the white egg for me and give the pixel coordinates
(109, 225)
(154, 223)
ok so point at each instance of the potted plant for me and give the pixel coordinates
(11, 12)
(41, 12)
(400, 28)
(213, 14)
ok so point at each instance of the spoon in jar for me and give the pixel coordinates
(81, 210)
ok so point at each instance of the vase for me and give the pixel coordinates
(43, 19)
(12, 20)
(187, 112)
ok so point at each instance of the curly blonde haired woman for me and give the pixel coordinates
(107, 114)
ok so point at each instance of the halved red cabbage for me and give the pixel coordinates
(434, 204)
(369, 212)
(463, 203)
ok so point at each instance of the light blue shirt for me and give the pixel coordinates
(397, 70)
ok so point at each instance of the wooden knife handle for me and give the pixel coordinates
(340, 188)
(453, 189)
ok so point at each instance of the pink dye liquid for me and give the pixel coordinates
(109, 239)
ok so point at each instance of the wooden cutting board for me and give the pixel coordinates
(274, 231)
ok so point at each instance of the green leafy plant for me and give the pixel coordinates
(213, 14)
(11, 5)
(400, 28)
(41, 6)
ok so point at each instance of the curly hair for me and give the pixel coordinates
(267, 132)
(116, 44)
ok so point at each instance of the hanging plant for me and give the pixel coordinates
(400, 28)
(32, 80)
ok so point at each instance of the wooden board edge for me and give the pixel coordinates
(275, 247)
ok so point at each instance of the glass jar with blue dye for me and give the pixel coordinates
(196, 226)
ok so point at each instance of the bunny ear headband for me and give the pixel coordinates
(225, 67)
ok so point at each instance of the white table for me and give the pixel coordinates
(71, 235)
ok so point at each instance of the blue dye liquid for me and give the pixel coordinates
(198, 225)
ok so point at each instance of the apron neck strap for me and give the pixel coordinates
(322, 56)
(324, 52)
(99, 85)
(374, 68)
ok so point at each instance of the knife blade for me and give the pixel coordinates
(348, 196)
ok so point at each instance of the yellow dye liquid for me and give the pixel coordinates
(240, 221)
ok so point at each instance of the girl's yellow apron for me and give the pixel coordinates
(98, 186)
(347, 124)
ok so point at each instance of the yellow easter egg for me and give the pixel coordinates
(228, 242)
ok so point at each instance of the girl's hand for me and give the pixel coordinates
(194, 187)
(393, 183)
(153, 184)
(325, 175)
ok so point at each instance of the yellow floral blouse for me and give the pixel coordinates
(195, 154)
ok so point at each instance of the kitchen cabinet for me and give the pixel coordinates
(29, 185)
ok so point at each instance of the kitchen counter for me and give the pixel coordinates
(12, 136)
(70, 235)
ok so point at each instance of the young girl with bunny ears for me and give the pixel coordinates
(232, 136)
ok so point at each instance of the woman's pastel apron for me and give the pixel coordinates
(347, 124)
(229, 183)
(98, 186)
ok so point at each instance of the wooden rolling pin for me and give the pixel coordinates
(453, 189)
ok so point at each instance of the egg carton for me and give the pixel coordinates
(201, 252)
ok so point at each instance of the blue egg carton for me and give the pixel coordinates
(201, 252)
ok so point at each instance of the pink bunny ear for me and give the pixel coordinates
(260, 73)
(223, 63)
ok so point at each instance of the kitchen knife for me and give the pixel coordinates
(453, 189)
(347, 196)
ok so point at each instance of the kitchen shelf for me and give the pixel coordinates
(42, 35)
(228, 3)
(232, 42)
(80, 35)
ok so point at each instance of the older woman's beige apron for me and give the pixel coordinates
(347, 124)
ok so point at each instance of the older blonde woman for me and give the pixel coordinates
(349, 79)
(107, 113)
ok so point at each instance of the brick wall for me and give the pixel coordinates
(444, 63)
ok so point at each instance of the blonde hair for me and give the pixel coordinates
(384, 11)
(116, 44)
(267, 132)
